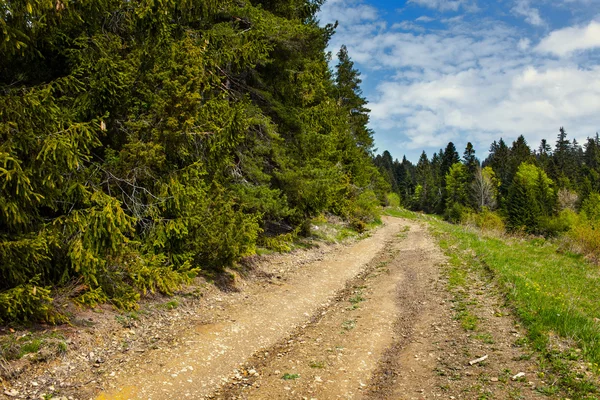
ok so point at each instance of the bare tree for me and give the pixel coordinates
(484, 188)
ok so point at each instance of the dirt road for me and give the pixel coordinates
(373, 320)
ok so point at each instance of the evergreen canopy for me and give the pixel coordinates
(141, 141)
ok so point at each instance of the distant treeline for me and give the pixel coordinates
(534, 191)
(141, 141)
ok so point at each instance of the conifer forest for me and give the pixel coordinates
(549, 190)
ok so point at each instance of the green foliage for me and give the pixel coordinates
(135, 151)
(531, 197)
(392, 200)
(590, 208)
(560, 224)
(584, 235)
(27, 301)
(528, 187)
(457, 186)
(365, 207)
(486, 220)
(456, 212)
(549, 290)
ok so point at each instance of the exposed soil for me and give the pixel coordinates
(371, 319)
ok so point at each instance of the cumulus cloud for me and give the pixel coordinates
(565, 41)
(347, 12)
(475, 79)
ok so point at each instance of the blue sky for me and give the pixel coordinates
(436, 71)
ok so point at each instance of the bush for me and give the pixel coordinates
(485, 220)
(456, 212)
(27, 302)
(590, 207)
(364, 208)
(555, 226)
(586, 237)
(393, 200)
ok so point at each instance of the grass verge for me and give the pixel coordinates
(554, 294)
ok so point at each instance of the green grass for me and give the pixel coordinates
(401, 213)
(170, 305)
(553, 294)
(485, 338)
(13, 347)
(288, 377)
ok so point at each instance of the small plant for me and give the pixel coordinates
(317, 364)
(485, 338)
(30, 347)
(62, 347)
(356, 299)
(170, 305)
(349, 324)
(128, 320)
(467, 320)
(289, 377)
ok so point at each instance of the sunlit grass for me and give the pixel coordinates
(554, 294)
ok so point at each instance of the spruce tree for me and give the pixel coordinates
(469, 159)
(349, 94)
(142, 142)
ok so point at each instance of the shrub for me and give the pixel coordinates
(489, 220)
(590, 207)
(586, 237)
(456, 212)
(364, 208)
(486, 220)
(393, 200)
(556, 225)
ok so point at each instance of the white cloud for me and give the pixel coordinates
(442, 5)
(565, 41)
(475, 80)
(347, 12)
(524, 44)
(532, 15)
(425, 18)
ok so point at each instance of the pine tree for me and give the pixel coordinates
(449, 158)
(457, 185)
(350, 97)
(499, 161)
(531, 197)
(469, 159)
(563, 169)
